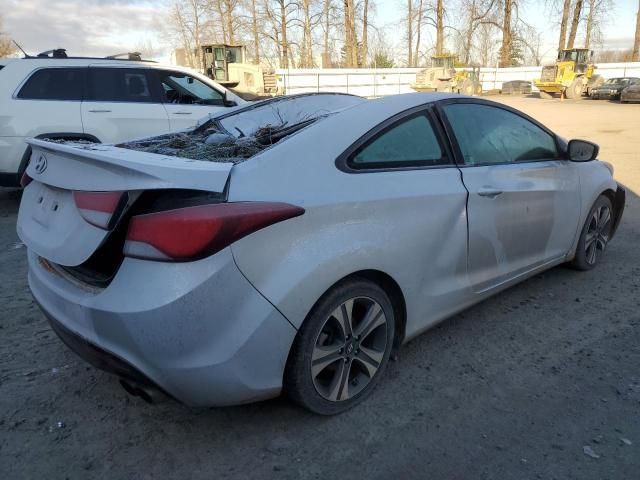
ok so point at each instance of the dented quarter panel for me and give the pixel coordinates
(409, 224)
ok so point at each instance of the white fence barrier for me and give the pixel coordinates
(371, 82)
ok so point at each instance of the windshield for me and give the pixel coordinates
(579, 56)
(618, 81)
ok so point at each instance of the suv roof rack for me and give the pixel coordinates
(55, 53)
(62, 53)
(137, 56)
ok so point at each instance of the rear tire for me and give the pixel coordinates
(545, 95)
(342, 349)
(595, 235)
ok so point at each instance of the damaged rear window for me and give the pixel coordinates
(239, 135)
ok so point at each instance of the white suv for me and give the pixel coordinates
(100, 100)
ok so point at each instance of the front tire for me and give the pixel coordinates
(595, 235)
(342, 349)
(575, 89)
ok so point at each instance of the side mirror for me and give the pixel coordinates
(582, 151)
(228, 102)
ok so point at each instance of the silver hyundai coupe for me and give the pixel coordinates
(293, 244)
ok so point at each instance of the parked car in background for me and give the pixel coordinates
(97, 100)
(630, 94)
(292, 244)
(516, 87)
(613, 87)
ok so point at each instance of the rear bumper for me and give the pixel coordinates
(199, 330)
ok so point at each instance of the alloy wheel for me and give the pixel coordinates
(349, 349)
(597, 234)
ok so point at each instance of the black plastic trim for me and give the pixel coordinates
(618, 208)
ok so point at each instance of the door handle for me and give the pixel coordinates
(182, 113)
(100, 111)
(489, 192)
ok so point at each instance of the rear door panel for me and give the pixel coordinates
(122, 104)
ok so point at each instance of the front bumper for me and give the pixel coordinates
(598, 94)
(198, 330)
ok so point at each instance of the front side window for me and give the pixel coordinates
(184, 89)
(119, 85)
(490, 135)
(411, 142)
(55, 84)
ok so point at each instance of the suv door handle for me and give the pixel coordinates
(100, 111)
(183, 113)
(489, 192)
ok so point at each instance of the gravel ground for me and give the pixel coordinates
(514, 388)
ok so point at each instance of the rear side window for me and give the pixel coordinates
(120, 85)
(490, 135)
(55, 84)
(411, 142)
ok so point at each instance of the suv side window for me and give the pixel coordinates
(55, 84)
(411, 142)
(120, 85)
(490, 135)
(183, 89)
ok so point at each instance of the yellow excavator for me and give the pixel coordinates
(572, 75)
(442, 76)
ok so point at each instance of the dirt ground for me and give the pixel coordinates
(513, 388)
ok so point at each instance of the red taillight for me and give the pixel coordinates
(25, 180)
(197, 232)
(98, 208)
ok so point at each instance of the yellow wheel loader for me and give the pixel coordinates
(442, 76)
(572, 75)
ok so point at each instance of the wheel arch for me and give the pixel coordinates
(390, 286)
(617, 198)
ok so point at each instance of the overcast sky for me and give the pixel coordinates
(103, 27)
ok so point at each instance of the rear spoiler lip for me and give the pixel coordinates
(126, 169)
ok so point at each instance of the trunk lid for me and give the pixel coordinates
(49, 222)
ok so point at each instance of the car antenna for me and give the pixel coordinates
(26, 55)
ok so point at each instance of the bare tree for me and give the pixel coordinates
(410, 33)
(635, 54)
(507, 34)
(365, 34)
(254, 32)
(440, 27)
(577, 11)
(306, 51)
(566, 8)
(186, 20)
(7, 48)
(597, 11)
(327, 7)
(350, 36)
(479, 12)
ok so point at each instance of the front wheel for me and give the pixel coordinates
(342, 349)
(595, 235)
(575, 89)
